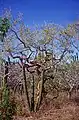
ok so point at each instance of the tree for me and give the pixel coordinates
(39, 53)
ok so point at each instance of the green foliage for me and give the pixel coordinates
(7, 107)
(4, 27)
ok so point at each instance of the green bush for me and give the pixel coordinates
(7, 107)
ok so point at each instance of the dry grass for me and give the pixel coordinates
(58, 109)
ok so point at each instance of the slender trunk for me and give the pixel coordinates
(25, 87)
(6, 73)
(32, 98)
(40, 91)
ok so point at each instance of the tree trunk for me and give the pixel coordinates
(25, 86)
(32, 98)
(41, 89)
(6, 73)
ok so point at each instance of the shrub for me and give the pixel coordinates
(7, 107)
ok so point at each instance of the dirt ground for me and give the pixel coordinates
(59, 109)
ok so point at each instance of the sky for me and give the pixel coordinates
(37, 11)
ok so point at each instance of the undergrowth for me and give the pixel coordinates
(7, 105)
